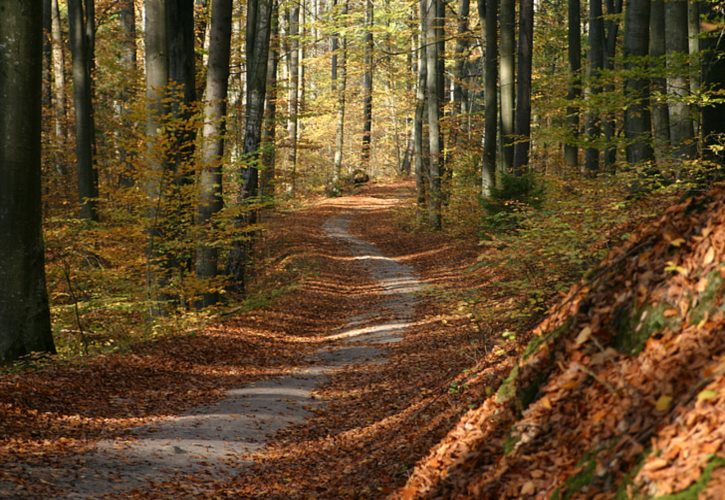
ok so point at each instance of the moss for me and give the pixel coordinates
(508, 387)
(634, 325)
(539, 340)
(509, 443)
(693, 492)
(708, 300)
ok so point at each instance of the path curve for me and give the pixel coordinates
(212, 441)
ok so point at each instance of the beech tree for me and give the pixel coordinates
(24, 313)
(571, 150)
(488, 12)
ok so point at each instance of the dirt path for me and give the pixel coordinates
(211, 442)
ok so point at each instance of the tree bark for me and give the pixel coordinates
(82, 99)
(269, 130)
(637, 123)
(507, 81)
(459, 57)
(420, 139)
(127, 58)
(678, 86)
(660, 113)
(488, 12)
(293, 90)
(574, 51)
(212, 142)
(713, 76)
(259, 14)
(340, 86)
(596, 64)
(367, 85)
(433, 97)
(614, 9)
(523, 87)
(61, 117)
(24, 313)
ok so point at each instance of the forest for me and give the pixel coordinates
(362, 249)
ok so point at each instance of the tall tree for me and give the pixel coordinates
(507, 80)
(367, 84)
(259, 15)
(127, 58)
(713, 77)
(269, 130)
(339, 65)
(488, 12)
(59, 101)
(614, 9)
(637, 116)
(596, 64)
(574, 51)
(459, 57)
(523, 85)
(433, 94)
(420, 138)
(213, 135)
(678, 87)
(657, 47)
(293, 85)
(83, 104)
(24, 313)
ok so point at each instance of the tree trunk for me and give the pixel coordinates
(713, 76)
(574, 38)
(614, 9)
(157, 80)
(660, 113)
(85, 129)
(340, 85)
(523, 87)
(259, 16)
(61, 117)
(459, 107)
(507, 80)
(637, 124)
(488, 12)
(367, 85)
(433, 97)
(127, 58)
(678, 85)
(269, 131)
(47, 53)
(293, 92)
(212, 142)
(596, 64)
(24, 314)
(420, 140)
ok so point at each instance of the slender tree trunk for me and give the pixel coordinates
(523, 88)
(259, 17)
(459, 57)
(47, 53)
(61, 117)
(660, 113)
(367, 85)
(24, 313)
(127, 57)
(571, 150)
(421, 142)
(212, 142)
(433, 97)
(340, 85)
(693, 29)
(201, 14)
(488, 12)
(269, 130)
(713, 76)
(85, 129)
(157, 80)
(637, 123)
(596, 64)
(614, 9)
(678, 85)
(293, 92)
(507, 80)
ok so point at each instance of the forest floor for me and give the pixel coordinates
(335, 388)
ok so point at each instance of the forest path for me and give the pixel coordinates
(209, 443)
